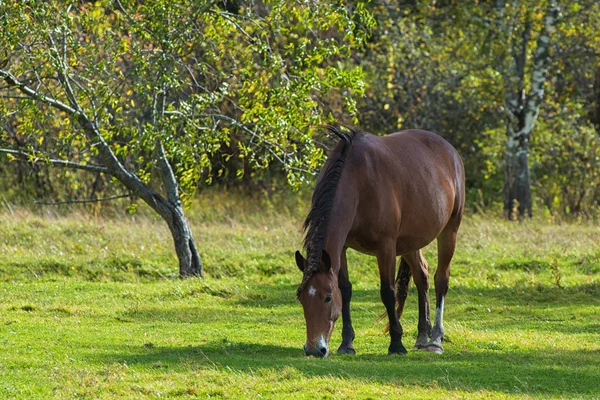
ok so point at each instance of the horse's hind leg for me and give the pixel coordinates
(346, 289)
(446, 244)
(418, 267)
(402, 282)
(386, 260)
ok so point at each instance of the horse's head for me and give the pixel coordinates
(322, 302)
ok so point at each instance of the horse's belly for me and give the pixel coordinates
(404, 244)
(409, 244)
(362, 246)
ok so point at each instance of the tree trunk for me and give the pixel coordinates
(522, 111)
(594, 115)
(517, 186)
(190, 263)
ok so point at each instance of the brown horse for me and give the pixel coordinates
(384, 196)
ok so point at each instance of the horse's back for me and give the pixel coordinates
(416, 161)
(423, 147)
(428, 152)
(409, 185)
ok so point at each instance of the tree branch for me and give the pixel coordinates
(57, 162)
(235, 122)
(229, 17)
(167, 175)
(35, 95)
(62, 75)
(238, 124)
(540, 66)
(77, 201)
(90, 127)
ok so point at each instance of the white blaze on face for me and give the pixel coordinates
(312, 291)
(322, 344)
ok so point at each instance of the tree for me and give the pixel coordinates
(128, 89)
(523, 96)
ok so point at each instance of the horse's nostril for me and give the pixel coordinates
(316, 351)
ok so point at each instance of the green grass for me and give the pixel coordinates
(91, 308)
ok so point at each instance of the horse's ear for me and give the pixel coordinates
(325, 261)
(300, 261)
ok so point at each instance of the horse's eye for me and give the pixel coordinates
(328, 299)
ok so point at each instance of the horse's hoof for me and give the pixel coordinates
(346, 350)
(434, 348)
(400, 351)
(420, 345)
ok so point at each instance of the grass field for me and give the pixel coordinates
(91, 308)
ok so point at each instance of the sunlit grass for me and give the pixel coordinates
(92, 308)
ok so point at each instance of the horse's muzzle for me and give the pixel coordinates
(316, 352)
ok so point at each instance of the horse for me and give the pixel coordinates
(384, 196)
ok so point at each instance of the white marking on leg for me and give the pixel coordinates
(437, 333)
(439, 314)
(312, 291)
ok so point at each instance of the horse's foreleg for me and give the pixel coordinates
(446, 246)
(386, 259)
(420, 274)
(346, 289)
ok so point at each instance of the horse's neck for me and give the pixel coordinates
(340, 224)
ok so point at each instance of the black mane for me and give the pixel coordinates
(316, 223)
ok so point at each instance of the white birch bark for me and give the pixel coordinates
(523, 109)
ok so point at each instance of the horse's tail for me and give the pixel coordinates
(402, 281)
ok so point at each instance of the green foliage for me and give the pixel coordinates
(214, 86)
(567, 168)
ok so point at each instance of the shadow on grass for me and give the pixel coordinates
(536, 373)
(548, 309)
(547, 372)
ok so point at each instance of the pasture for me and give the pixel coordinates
(90, 307)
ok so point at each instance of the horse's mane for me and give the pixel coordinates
(316, 223)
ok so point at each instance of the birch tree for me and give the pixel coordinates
(524, 80)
